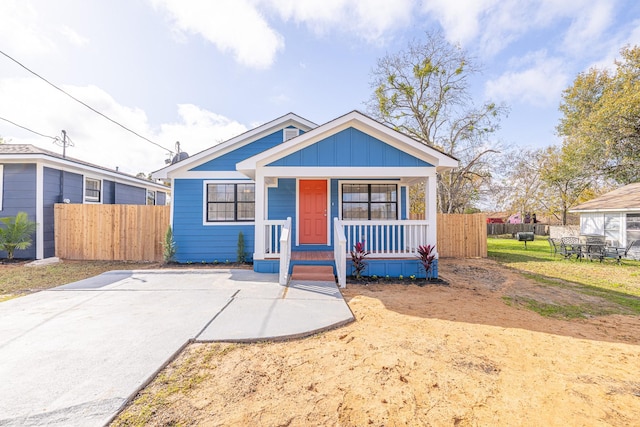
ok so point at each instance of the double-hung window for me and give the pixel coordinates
(230, 202)
(370, 201)
(151, 197)
(92, 190)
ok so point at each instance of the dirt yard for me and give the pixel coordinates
(433, 355)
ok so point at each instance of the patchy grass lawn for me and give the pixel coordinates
(616, 283)
(18, 279)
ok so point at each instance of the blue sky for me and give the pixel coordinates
(203, 71)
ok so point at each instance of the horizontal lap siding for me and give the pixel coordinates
(19, 196)
(130, 195)
(51, 197)
(196, 242)
(72, 187)
(350, 147)
(108, 192)
(227, 162)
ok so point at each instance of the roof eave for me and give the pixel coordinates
(244, 138)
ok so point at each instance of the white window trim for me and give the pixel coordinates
(349, 181)
(204, 202)
(1, 185)
(84, 190)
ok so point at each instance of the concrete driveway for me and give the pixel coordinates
(74, 355)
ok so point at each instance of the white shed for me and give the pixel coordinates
(615, 215)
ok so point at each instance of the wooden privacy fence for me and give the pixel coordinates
(110, 232)
(136, 232)
(462, 235)
(498, 229)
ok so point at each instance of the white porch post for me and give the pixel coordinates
(431, 208)
(260, 215)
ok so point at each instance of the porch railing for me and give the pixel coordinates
(387, 239)
(272, 232)
(340, 252)
(285, 251)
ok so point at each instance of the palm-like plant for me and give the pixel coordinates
(15, 233)
(427, 256)
(357, 257)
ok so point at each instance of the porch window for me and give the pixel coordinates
(230, 202)
(633, 227)
(370, 201)
(612, 228)
(151, 197)
(92, 189)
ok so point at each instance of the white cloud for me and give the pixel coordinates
(370, 20)
(73, 37)
(586, 30)
(34, 104)
(460, 20)
(539, 81)
(494, 24)
(199, 129)
(231, 25)
(21, 28)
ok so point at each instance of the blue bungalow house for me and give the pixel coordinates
(303, 193)
(33, 180)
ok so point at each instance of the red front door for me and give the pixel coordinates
(313, 212)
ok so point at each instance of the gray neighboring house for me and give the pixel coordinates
(32, 180)
(615, 215)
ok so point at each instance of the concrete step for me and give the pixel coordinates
(316, 273)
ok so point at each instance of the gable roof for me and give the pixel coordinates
(20, 152)
(236, 142)
(355, 119)
(622, 199)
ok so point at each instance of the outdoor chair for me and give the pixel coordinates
(617, 253)
(594, 247)
(570, 246)
(554, 245)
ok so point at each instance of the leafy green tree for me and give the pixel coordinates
(601, 119)
(15, 233)
(423, 91)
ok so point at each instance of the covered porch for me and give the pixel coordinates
(390, 244)
(284, 216)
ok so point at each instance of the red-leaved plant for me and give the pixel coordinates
(427, 256)
(358, 255)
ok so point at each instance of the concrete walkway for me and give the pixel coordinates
(74, 355)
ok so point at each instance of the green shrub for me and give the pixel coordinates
(15, 233)
(169, 247)
(241, 254)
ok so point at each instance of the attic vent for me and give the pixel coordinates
(290, 133)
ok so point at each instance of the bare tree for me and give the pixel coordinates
(423, 91)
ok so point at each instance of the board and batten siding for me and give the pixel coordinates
(197, 242)
(350, 147)
(19, 195)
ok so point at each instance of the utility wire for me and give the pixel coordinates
(55, 138)
(86, 105)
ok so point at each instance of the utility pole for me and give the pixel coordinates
(66, 142)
